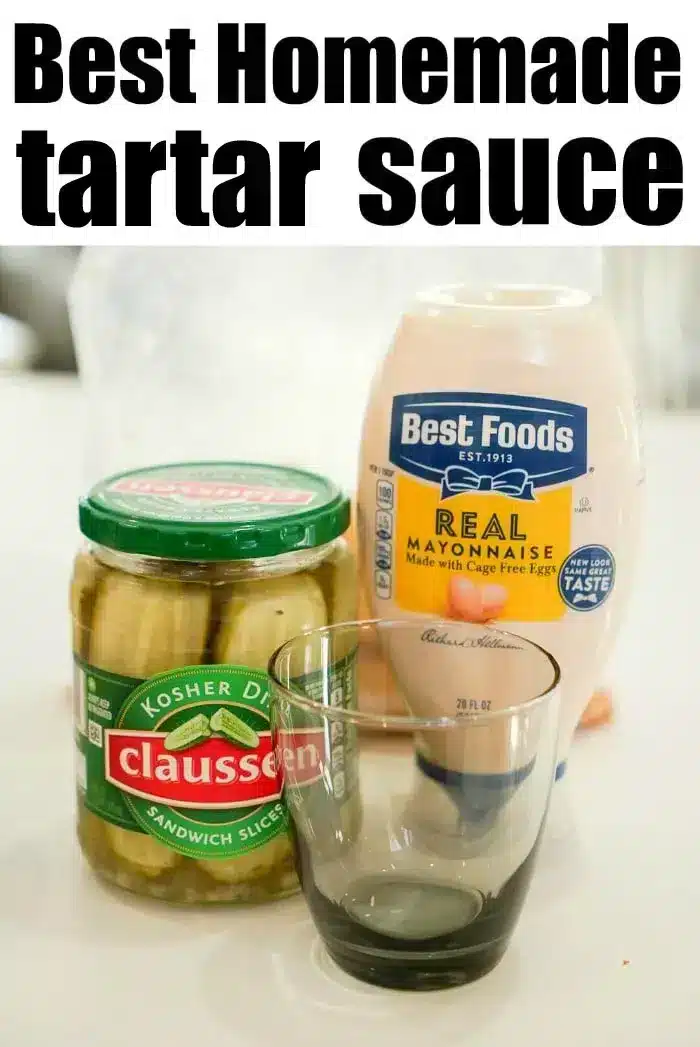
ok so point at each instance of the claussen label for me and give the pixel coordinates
(187, 756)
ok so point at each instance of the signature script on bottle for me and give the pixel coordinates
(442, 638)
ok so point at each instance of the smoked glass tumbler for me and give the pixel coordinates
(415, 834)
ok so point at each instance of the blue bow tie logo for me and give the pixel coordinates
(514, 482)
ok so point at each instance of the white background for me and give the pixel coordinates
(332, 213)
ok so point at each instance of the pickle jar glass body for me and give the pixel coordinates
(178, 793)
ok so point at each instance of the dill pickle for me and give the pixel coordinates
(188, 734)
(249, 867)
(337, 576)
(232, 727)
(144, 626)
(91, 832)
(141, 851)
(87, 572)
(262, 615)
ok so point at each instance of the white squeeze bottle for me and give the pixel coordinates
(500, 479)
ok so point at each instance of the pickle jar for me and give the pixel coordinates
(190, 576)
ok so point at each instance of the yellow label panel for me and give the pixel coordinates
(481, 555)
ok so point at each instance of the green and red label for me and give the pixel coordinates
(187, 756)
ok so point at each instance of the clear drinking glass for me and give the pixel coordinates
(415, 834)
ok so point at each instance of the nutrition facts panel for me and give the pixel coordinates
(383, 539)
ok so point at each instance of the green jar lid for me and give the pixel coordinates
(214, 511)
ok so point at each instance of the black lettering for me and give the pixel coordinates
(181, 45)
(556, 82)
(444, 520)
(297, 161)
(38, 76)
(464, 179)
(606, 55)
(657, 68)
(648, 162)
(147, 85)
(253, 181)
(91, 56)
(535, 182)
(233, 61)
(34, 151)
(100, 182)
(141, 162)
(494, 528)
(469, 521)
(188, 153)
(402, 196)
(490, 52)
(360, 52)
(515, 534)
(571, 181)
(424, 55)
(295, 50)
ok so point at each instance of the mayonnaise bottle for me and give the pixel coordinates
(500, 476)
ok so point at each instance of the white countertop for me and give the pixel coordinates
(606, 950)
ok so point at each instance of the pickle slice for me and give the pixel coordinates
(87, 573)
(261, 615)
(232, 727)
(249, 867)
(188, 734)
(141, 851)
(337, 576)
(144, 626)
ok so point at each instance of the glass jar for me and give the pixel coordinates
(191, 576)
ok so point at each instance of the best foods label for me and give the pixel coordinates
(187, 756)
(483, 501)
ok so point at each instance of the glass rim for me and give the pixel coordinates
(392, 721)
